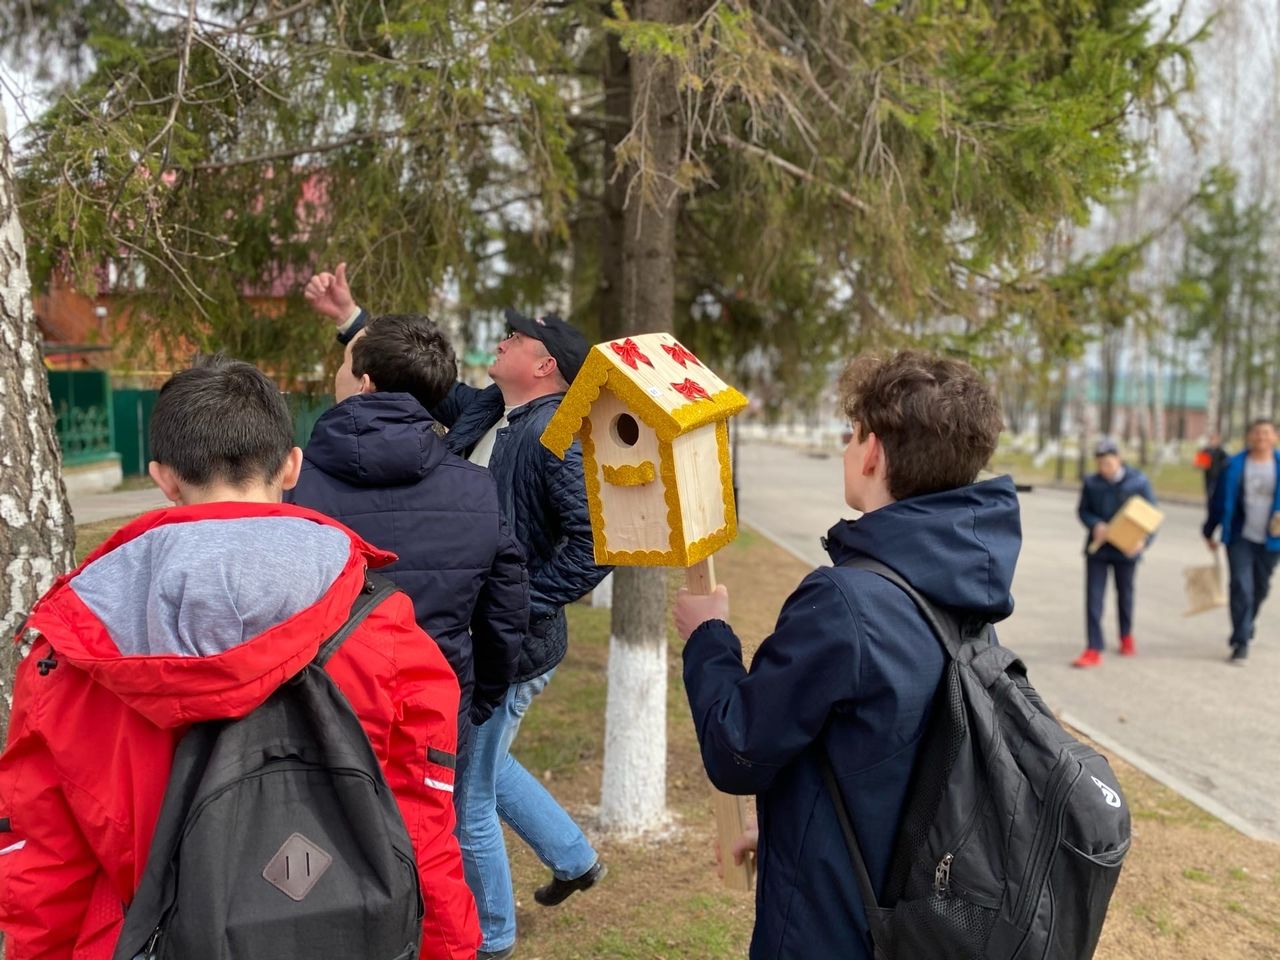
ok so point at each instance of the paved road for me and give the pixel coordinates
(1177, 710)
(91, 507)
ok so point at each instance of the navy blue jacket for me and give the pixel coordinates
(544, 499)
(1100, 500)
(1226, 506)
(851, 668)
(375, 464)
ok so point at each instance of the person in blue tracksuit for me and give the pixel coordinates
(851, 667)
(1101, 497)
(1246, 506)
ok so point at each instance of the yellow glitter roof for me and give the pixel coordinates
(656, 377)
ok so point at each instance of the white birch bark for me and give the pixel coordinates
(37, 536)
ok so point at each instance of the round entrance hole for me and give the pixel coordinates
(625, 430)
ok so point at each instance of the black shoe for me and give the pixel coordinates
(505, 954)
(558, 891)
(1239, 654)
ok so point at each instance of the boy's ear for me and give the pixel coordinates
(291, 468)
(872, 455)
(366, 386)
(167, 480)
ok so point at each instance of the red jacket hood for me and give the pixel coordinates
(199, 613)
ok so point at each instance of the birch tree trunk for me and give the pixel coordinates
(37, 536)
(633, 796)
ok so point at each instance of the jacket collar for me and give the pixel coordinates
(532, 405)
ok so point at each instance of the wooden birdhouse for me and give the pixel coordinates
(655, 450)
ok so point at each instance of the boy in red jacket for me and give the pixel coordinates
(194, 613)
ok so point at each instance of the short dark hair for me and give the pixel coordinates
(1260, 422)
(938, 420)
(221, 421)
(406, 353)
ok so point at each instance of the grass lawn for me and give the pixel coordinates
(1192, 888)
(1179, 481)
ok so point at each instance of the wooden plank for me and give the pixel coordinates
(730, 811)
(731, 821)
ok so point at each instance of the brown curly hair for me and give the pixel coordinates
(937, 418)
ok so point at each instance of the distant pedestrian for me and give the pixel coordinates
(1212, 459)
(1246, 505)
(1101, 498)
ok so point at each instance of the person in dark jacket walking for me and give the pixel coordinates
(851, 667)
(544, 500)
(1101, 498)
(1212, 459)
(375, 463)
(1246, 505)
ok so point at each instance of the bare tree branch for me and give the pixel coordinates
(844, 196)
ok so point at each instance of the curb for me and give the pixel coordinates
(1153, 770)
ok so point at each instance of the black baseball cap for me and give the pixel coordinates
(1105, 447)
(562, 340)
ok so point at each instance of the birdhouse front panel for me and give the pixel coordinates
(653, 421)
(624, 459)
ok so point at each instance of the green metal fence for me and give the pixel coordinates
(133, 429)
(132, 412)
(85, 418)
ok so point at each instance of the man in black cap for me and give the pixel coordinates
(544, 501)
(1101, 498)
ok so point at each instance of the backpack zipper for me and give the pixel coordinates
(942, 876)
(962, 835)
(1048, 833)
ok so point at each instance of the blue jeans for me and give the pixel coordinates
(1251, 567)
(496, 785)
(1095, 590)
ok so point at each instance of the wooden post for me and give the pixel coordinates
(730, 811)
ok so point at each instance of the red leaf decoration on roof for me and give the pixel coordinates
(679, 354)
(630, 353)
(693, 391)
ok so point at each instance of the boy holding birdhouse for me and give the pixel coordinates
(852, 667)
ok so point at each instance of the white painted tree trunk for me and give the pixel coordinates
(1214, 402)
(633, 796)
(633, 790)
(602, 595)
(37, 536)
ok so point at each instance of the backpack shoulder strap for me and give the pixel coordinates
(941, 623)
(947, 630)
(376, 589)
(875, 920)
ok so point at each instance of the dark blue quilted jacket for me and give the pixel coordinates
(545, 501)
(851, 669)
(375, 464)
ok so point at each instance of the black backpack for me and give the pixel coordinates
(279, 837)
(1012, 831)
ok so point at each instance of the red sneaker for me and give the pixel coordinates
(1127, 648)
(1090, 658)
